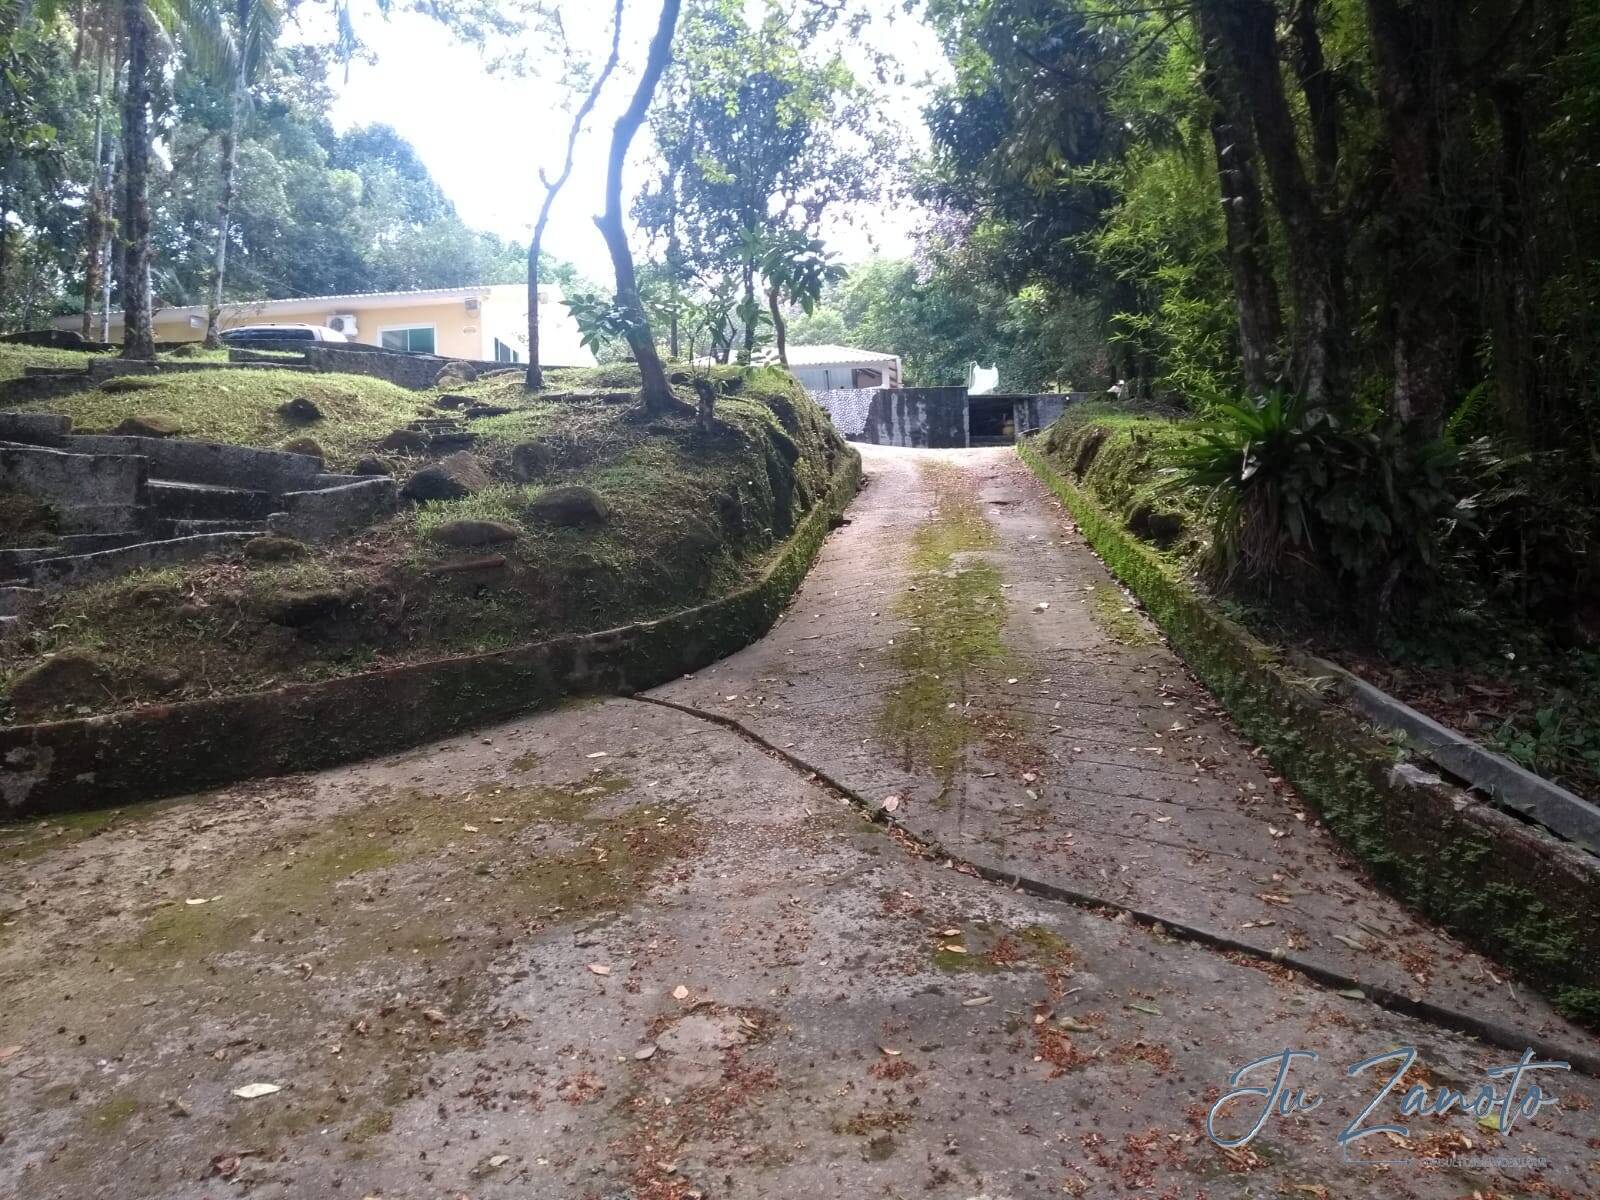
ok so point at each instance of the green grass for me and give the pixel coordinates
(242, 407)
(13, 357)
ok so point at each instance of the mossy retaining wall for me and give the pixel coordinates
(162, 750)
(1510, 889)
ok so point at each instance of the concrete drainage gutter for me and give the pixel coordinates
(1496, 776)
(1512, 889)
(164, 750)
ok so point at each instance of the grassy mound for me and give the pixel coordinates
(241, 407)
(692, 515)
(1122, 459)
(14, 356)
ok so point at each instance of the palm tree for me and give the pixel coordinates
(138, 328)
(248, 31)
(144, 26)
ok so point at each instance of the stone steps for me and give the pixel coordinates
(172, 500)
(15, 600)
(74, 569)
(184, 527)
(127, 502)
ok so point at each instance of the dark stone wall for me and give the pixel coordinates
(1032, 412)
(923, 418)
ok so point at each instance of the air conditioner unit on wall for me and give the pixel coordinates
(345, 323)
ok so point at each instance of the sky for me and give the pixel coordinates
(484, 134)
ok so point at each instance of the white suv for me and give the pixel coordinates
(244, 335)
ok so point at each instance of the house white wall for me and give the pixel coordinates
(823, 377)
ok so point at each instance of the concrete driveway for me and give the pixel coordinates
(629, 950)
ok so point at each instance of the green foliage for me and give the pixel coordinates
(1299, 499)
(1560, 740)
(760, 136)
(599, 318)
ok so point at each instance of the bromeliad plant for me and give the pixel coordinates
(1299, 500)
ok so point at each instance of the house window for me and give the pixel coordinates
(866, 377)
(504, 353)
(414, 339)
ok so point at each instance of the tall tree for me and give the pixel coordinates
(657, 392)
(138, 330)
(552, 188)
(251, 29)
(756, 134)
(1241, 35)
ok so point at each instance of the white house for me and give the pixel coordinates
(488, 323)
(825, 368)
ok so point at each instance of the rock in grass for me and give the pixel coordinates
(454, 400)
(488, 410)
(306, 446)
(154, 425)
(373, 465)
(303, 606)
(571, 506)
(300, 410)
(531, 460)
(274, 549)
(454, 374)
(163, 681)
(452, 477)
(471, 532)
(404, 441)
(483, 564)
(130, 383)
(66, 680)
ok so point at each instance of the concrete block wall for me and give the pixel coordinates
(921, 418)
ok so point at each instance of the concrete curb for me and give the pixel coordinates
(1495, 775)
(1510, 889)
(163, 750)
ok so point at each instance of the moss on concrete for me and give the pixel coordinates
(956, 612)
(1415, 842)
(693, 517)
(1113, 614)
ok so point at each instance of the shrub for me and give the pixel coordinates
(1299, 501)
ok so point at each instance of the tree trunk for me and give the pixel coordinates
(748, 353)
(230, 158)
(534, 379)
(1515, 279)
(656, 392)
(780, 331)
(1245, 33)
(5, 256)
(1255, 289)
(1316, 85)
(1415, 54)
(138, 333)
(95, 216)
